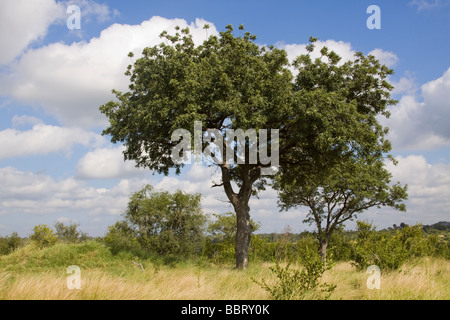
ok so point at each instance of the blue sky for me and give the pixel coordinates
(56, 166)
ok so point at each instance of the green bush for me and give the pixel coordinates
(299, 284)
(412, 240)
(10, 243)
(388, 251)
(308, 243)
(43, 236)
(219, 245)
(340, 246)
(69, 233)
(261, 249)
(219, 252)
(121, 238)
(162, 223)
(437, 247)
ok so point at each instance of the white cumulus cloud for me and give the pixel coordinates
(44, 139)
(24, 21)
(107, 163)
(420, 121)
(385, 57)
(72, 81)
(428, 189)
(25, 192)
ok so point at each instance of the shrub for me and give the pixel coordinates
(10, 243)
(166, 223)
(43, 236)
(437, 247)
(261, 249)
(340, 245)
(299, 284)
(220, 242)
(120, 237)
(305, 245)
(412, 240)
(387, 251)
(69, 233)
(219, 245)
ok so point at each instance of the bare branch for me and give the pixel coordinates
(138, 264)
(217, 185)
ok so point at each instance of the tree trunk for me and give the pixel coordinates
(323, 250)
(240, 201)
(243, 235)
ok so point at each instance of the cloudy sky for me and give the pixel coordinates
(56, 166)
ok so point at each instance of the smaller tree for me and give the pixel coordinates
(10, 243)
(165, 223)
(69, 233)
(343, 194)
(43, 236)
(381, 248)
(120, 237)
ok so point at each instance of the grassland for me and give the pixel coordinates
(32, 273)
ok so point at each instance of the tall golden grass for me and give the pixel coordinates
(425, 278)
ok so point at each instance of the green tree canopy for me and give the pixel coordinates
(343, 103)
(325, 115)
(163, 222)
(69, 233)
(341, 196)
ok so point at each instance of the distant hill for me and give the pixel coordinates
(441, 225)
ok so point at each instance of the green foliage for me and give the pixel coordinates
(223, 228)
(340, 246)
(228, 82)
(261, 249)
(121, 238)
(305, 245)
(43, 236)
(69, 233)
(388, 251)
(346, 143)
(367, 249)
(284, 246)
(412, 240)
(281, 249)
(299, 284)
(220, 243)
(59, 256)
(327, 117)
(10, 243)
(437, 246)
(161, 222)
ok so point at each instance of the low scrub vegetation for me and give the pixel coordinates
(164, 241)
(31, 272)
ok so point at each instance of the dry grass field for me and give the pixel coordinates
(32, 273)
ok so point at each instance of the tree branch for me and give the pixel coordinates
(217, 185)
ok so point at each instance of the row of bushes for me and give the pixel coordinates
(365, 247)
(43, 236)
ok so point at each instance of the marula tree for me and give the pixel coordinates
(229, 84)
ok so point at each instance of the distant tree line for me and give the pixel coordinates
(173, 224)
(43, 236)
